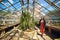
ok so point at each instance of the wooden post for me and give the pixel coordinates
(2, 34)
(49, 29)
(14, 27)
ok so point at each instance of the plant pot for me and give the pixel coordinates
(28, 30)
(32, 34)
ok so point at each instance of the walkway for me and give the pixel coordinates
(19, 35)
(16, 34)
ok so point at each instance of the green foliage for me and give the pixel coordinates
(3, 12)
(26, 21)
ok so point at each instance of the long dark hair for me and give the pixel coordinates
(42, 18)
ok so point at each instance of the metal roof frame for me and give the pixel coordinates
(22, 4)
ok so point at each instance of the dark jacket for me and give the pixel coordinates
(44, 23)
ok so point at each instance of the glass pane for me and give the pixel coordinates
(18, 4)
(15, 1)
(12, 8)
(6, 4)
(50, 8)
(31, 1)
(0, 9)
(52, 0)
(18, 8)
(6, 9)
(43, 3)
(25, 1)
(2, 6)
(58, 4)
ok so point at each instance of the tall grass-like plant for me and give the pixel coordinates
(26, 21)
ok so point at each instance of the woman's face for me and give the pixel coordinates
(42, 18)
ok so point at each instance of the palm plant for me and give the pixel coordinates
(26, 21)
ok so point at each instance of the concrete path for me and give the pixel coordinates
(16, 36)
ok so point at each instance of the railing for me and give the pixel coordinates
(51, 27)
(9, 35)
(3, 31)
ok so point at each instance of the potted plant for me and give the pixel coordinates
(27, 25)
(26, 22)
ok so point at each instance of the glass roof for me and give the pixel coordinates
(17, 5)
(55, 1)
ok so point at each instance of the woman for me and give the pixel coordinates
(42, 25)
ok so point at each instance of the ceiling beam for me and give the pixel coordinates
(52, 4)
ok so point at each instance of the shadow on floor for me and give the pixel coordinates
(54, 34)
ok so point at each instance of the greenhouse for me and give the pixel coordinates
(29, 19)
